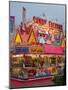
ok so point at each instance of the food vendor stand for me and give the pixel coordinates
(37, 56)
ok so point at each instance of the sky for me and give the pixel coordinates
(52, 11)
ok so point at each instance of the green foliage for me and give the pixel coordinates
(59, 80)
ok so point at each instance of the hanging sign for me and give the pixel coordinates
(22, 49)
(36, 49)
(11, 24)
(39, 20)
(55, 25)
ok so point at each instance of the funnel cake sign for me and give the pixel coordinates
(39, 20)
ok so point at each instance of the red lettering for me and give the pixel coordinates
(39, 20)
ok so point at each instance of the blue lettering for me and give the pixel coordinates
(22, 49)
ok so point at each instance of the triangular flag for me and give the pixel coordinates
(32, 39)
(63, 43)
(18, 39)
